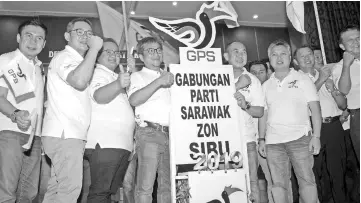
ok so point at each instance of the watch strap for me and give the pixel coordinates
(13, 115)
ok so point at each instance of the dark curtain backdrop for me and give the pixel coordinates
(333, 15)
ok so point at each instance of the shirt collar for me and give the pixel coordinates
(35, 62)
(73, 51)
(292, 72)
(310, 75)
(147, 70)
(100, 66)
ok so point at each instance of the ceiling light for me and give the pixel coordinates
(255, 16)
(175, 3)
(132, 12)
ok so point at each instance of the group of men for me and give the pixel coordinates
(290, 117)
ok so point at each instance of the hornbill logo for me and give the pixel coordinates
(20, 73)
(196, 33)
(225, 194)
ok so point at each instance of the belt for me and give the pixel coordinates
(354, 110)
(158, 127)
(330, 119)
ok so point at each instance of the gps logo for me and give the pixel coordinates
(198, 55)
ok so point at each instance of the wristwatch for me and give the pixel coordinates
(13, 115)
(261, 139)
(248, 105)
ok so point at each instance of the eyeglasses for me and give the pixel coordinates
(152, 51)
(81, 32)
(29, 37)
(111, 52)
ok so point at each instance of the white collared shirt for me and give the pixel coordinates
(157, 108)
(287, 106)
(353, 97)
(253, 94)
(328, 104)
(32, 71)
(69, 110)
(112, 125)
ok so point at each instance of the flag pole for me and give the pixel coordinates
(319, 33)
(125, 26)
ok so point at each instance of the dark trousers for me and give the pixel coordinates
(355, 131)
(352, 177)
(107, 170)
(330, 163)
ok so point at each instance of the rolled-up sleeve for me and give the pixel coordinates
(64, 65)
(99, 80)
(136, 83)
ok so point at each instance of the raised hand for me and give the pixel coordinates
(95, 42)
(131, 64)
(166, 79)
(243, 81)
(124, 79)
(348, 58)
(330, 86)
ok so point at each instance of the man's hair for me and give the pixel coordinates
(257, 63)
(102, 49)
(348, 28)
(278, 42)
(314, 48)
(301, 47)
(147, 40)
(33, 22)
(70, 25)
(230, 43)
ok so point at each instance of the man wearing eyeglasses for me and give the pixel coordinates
(67, 117)
(19, 169)
(110, 135)
(149, 93)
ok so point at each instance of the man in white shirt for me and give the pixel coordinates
(332, 155)
(346, 76)
(68, 114)
(285, 126)
(20, 169)
(250, 98)
(149, 93)
(110, 135)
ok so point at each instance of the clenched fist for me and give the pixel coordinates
(348, 58)
(124, 80)
(95, 42)
(166, 79)
(243, 81)
(23, 120)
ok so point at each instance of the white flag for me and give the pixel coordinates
(295, 13)
(112, 26)
(228, 6)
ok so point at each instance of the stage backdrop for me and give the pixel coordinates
(256, 39)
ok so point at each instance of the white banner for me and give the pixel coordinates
(204, 112)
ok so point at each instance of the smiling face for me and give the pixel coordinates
(280, 57)
(236, 55)
(79, 43)
(108, 57)
(350, 42)
(152, 60)
(305, 59)
(259, 71)
(31, 41)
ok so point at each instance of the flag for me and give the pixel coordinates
(112, 25)
(228, 6)
(295, 13)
